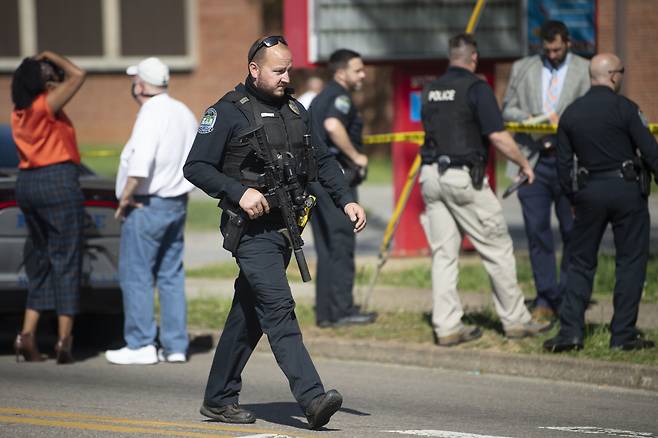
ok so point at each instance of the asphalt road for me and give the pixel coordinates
(95, 399)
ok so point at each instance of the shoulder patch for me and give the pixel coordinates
(208, 121)
(343, 103)
(643, 118)
(293, 106)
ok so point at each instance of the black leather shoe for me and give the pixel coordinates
(322, 407)
(635, 344)
(558, 344)
(228, 414)
(356, 319)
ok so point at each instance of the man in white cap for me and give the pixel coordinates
(152, 195)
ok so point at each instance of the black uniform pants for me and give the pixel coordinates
(536, 201)
(335, 241)
(619, 203)
(262, 303)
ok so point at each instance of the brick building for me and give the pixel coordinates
(222, 31)
(219, 33)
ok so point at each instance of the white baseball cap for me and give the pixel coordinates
(151, 70)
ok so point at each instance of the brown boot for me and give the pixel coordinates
(63, 349)
(25, 345)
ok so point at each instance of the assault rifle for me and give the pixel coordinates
(283, 191)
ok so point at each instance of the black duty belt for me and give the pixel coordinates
(605, 174)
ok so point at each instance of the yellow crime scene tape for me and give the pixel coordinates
(412, 137)
(419, 136)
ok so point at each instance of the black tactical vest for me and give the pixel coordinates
(284, 130)
(451, 126)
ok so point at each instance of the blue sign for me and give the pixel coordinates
(577, 15)
(414, 106)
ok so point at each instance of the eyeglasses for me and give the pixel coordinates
(621, 70)
(270, 41)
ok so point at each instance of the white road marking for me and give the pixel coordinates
(603, 431)
(265, 435)
(443, 434)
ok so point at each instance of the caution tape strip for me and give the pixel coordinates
(101, 153)
(419, 136)
(411, 137)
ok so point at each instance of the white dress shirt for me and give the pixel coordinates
(158, 146)
(306, 98)
(546, 71)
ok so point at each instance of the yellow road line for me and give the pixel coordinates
(75, 415)
(102, 427)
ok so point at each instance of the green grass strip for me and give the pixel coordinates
(210, 313)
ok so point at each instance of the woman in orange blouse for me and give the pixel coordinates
(49, 195)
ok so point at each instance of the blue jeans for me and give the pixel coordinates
(152, 253)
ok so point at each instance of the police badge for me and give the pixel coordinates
(207, 121)
(343, 104)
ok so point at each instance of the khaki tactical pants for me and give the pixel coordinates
(453, 208)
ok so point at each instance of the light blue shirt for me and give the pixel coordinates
(547, 71)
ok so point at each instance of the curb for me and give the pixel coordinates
(565, 369)
(568, 369)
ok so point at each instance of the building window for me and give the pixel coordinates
(54, 22)
(140, 37)
(9, 43)
(99, 35)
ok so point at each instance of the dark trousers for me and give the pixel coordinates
(262, 303)
(536, 201)
(619, 203)
(52, 203)
(333, 235)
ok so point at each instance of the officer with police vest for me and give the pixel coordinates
(338, 122)
(607, 133)
(262, 302)
(459, 111)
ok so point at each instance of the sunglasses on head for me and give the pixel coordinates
(270, 41)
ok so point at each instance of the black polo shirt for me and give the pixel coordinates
(603, 129)
(336, 101)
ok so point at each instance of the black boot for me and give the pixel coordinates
(561, 343)
(322, 407)
(228, 414)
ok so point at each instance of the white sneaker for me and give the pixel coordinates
(172, 357)
(126, 356)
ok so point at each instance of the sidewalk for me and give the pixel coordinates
(203, 248)
(391, 299)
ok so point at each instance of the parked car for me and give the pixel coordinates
(100, 293)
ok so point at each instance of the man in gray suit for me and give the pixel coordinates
(540, 88)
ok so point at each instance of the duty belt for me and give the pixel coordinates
(445, 162)
(605, 174)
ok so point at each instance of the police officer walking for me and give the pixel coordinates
(459, 110)
(223, 154)
(605, 131)
(335, 117)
